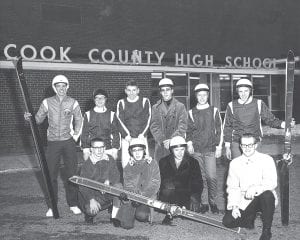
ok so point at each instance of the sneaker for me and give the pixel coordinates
(88, 219)
(204, 208)
(49, 213)
(167, 220)
(75, 210)
(266, 234)
(214, 208)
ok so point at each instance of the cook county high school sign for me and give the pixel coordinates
(109, 56)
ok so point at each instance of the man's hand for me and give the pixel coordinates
(75, 137)
(123, 197)
(94, 206)
(174, 210)
(236, 212)
(114, 153)
(228, 152)
(135, 204)
(251, 192)
(190, 147)
(128, 138)
(166, 143)
(86, 153)
(27, 116)
(218, 152)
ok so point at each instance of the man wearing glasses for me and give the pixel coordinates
(169, 119)
(251, 184)
(102, 168)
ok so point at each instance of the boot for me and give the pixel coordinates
(266, 234)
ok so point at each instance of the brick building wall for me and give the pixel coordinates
(15, 132)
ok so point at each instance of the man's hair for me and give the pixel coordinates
(97, 139)
(131, 83)
(248, 135)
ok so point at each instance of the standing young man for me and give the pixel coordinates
(251, 184)
(169, 119)
(134, 114)
(99, 167)
(181, 179)
(141, 175)
(204, 140)
(244, 115)
(61, 110)
(101, 123)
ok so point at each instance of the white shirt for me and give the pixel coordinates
(258, 170)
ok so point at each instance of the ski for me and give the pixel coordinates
(36, 136)
(287, 157)
(150, 202)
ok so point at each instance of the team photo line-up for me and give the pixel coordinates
(182, 170)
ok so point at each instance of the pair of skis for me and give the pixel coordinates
(150, 202)
(283, 164)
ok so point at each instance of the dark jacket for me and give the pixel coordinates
(179, 185)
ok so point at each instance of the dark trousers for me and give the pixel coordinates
(54, 151)
(264, 203)
(174, 196)
(105, 201)
(127, 214)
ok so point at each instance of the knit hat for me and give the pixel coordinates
(100, 91)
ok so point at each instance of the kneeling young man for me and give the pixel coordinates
(181, 179)
(102, 168)
(141, 175)
(251, 184)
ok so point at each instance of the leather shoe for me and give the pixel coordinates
(167, 220)
(115, 222)
(214, 208)
(88, 219)
(204, 208)
(266, 234)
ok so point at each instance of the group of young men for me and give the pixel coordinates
(187, 144)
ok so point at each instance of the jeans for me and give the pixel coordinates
(207, 162)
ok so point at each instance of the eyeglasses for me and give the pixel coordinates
(137, 150)
(251, 145)
(100, 98)
(100, 148)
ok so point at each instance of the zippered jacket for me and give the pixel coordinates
(60, 117)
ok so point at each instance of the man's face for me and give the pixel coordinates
(98, 149)
(202, 97)
(179, 152)
(244, 93)
(61, 89)
(132, 92)
(137, 153)
(166, 93)
(100, 100)
(248, 146)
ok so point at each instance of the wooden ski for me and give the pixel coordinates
(287, 156)
(150, 202)
(36, 136)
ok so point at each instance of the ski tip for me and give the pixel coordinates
(74, 179)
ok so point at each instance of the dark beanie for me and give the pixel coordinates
(100, 92)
